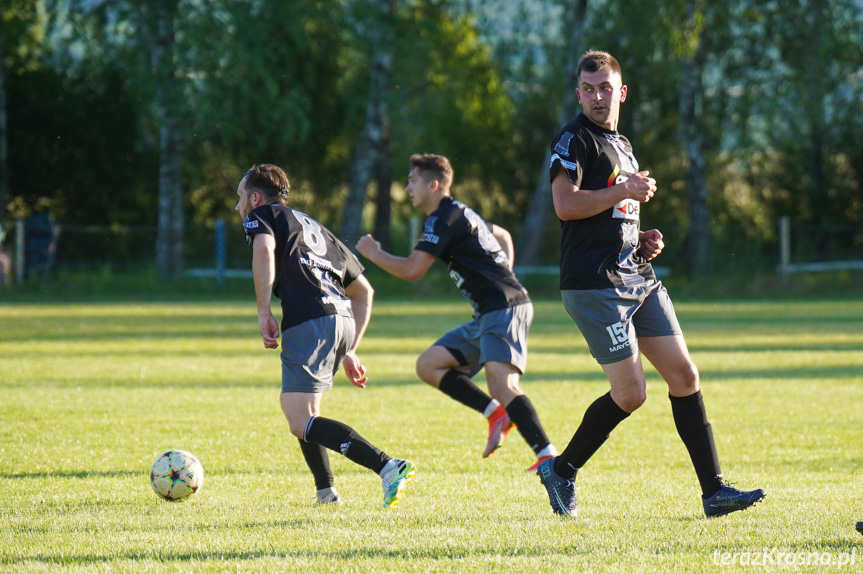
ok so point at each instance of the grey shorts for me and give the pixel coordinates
(313, 351)
(612, 320)
(499, 336)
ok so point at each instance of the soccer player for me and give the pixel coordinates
(609, 289)
(479, 257)
(326, 305)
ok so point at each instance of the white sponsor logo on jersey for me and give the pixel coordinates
(570, 165)
(430, 238)
(250, 224)
(626, 209)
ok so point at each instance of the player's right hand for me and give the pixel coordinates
(368, 245)
(641, 186)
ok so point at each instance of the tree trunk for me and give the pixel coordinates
(540, 209)
(819, 202)
(691, 98)
(370, 150)
(4, 151)
(170, 234)
(383, 203)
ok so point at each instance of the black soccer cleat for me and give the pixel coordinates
(860, 527)
(729, 499)
(561, 491)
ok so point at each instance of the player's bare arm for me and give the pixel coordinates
(571, 203)
(410, 268)
(505, 239)
(361, 294)
(264, 273)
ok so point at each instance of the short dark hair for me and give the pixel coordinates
(431, 166)
(270, 181)
(594, 61)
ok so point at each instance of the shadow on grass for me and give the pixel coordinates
(64, 475)
(431, 553)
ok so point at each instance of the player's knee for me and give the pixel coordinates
(297, 430)
(632, 400)
(428, 371)
(689, 379)
(506, 386)
(298, 424)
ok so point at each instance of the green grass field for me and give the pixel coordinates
(90, 394)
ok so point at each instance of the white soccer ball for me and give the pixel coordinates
(176, 474)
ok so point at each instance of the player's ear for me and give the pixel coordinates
(623, 93)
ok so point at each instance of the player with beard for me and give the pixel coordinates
(326, 305)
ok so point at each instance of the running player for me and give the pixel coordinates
(609, 289)
(479, 257)
(326, 305)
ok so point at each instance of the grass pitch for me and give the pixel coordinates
(90, 394)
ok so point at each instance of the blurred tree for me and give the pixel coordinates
(374, 22)
(148, 28)
(72, 123)
(449, 99)
(271, 82)
(158, 30)
(820, 53)
(4, 152)
(19, 23)
(540, 209)
(691, 50)
(772, 130)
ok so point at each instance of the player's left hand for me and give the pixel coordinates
(269, 328)
(355, 371)
(650, 243)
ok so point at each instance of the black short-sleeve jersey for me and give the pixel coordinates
(601, 251)
(312, 266)
(463, 240)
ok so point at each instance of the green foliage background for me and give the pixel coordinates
(286, 82)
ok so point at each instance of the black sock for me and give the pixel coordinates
(458, 386)
(599, 420)
(342, 438)
(319, 463)
(690, 418)
(522, 413)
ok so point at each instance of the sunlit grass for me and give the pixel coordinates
(92, 393)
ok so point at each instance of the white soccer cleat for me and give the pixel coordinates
(396, 475)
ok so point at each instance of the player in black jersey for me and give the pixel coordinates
(609, 288)
(479, 257)
(326, 305)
